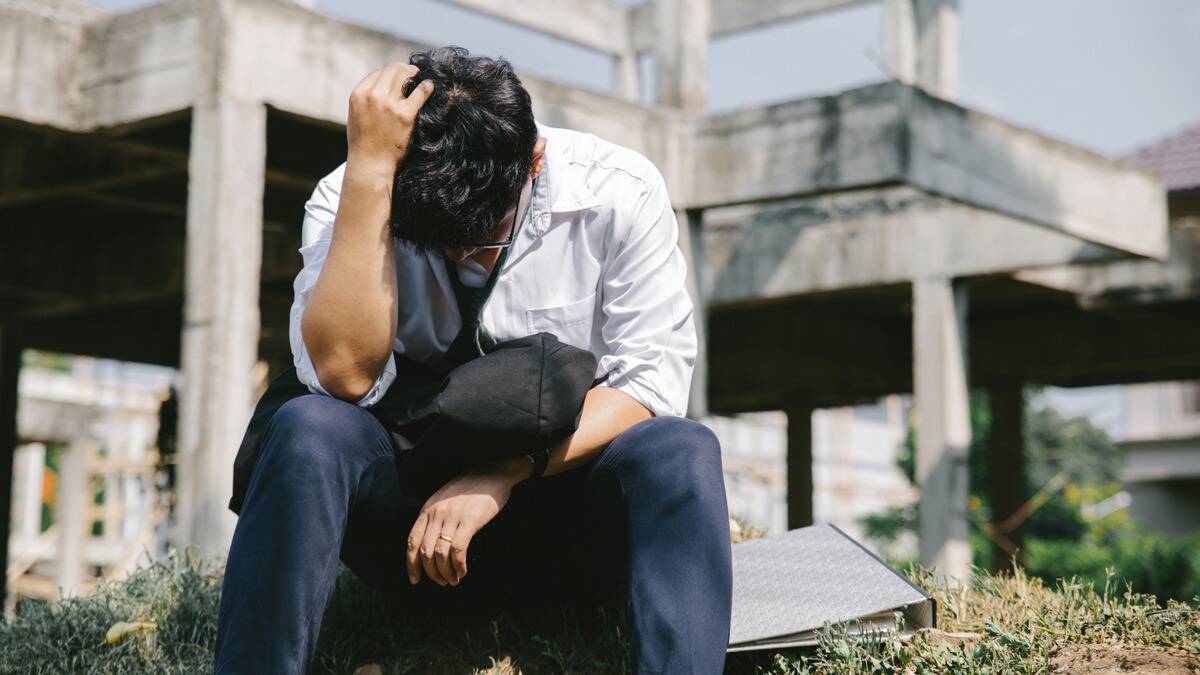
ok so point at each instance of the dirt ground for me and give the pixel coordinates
(1123, 659)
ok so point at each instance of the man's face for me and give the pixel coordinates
(508, 221)
(500, 233)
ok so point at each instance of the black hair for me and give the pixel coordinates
(470, 152)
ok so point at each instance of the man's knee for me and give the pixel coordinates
(668, 448)
(314, 430)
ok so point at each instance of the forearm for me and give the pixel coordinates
(349, 323)
(606, 413)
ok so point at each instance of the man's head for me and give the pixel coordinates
(473, 148)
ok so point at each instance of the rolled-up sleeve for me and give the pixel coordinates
(317, 232)
(648, 325)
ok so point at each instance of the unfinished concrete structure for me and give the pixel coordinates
(88, 432)
(880, 240)
(1160, 439)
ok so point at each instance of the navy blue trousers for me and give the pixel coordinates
(648, 516)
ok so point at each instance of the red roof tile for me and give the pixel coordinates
(1176, 158)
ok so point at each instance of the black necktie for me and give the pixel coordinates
(470, 306)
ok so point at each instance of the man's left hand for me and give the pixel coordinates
(459, 509)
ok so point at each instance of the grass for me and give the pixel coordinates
(993, 624)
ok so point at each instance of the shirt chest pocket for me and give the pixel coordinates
(571, 322)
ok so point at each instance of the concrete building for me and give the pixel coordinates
(88, 459)
(1160, 439)
(882, 240)
(854, 470)
(1160, 449)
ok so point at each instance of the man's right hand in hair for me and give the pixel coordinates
(349, 324)
(380, 123)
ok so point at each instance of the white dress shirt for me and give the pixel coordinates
(596, 262)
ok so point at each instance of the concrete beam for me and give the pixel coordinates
(731, 17)
(944, 431)
(894, 133)
(596, 24)
(801, 147)
(139, 64)
(146, 63)
(221, 307)
(1133, 282)
(40, 45)
(92, 187)
(984, 161)
(868, 237)
(279, 36)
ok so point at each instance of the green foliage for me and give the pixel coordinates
(1150, 561)
(888, 525)
(1053, 444)
(1074, 446)
(1057, 520)
(1059, 541)
(36, 358)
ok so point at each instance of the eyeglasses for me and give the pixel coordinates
(518, 217)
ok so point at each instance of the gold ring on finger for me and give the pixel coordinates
(442, 536)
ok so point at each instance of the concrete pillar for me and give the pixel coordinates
(799, 466)
(29, 469)
(626, 80)
(937, 47)
(1007, 473)
(72, 507)
(920, 44)
(226, 173)
(114, 482)
(10, 368)
(943, 423)
(690, 238)
(900, 40)
(681, 56)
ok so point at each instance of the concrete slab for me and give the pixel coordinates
(894, 133)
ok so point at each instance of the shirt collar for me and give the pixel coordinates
(560, 186)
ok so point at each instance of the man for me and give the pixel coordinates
(449, 184)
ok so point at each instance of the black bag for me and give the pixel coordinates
(523, 394)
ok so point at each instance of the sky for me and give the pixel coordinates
(1108, 75)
